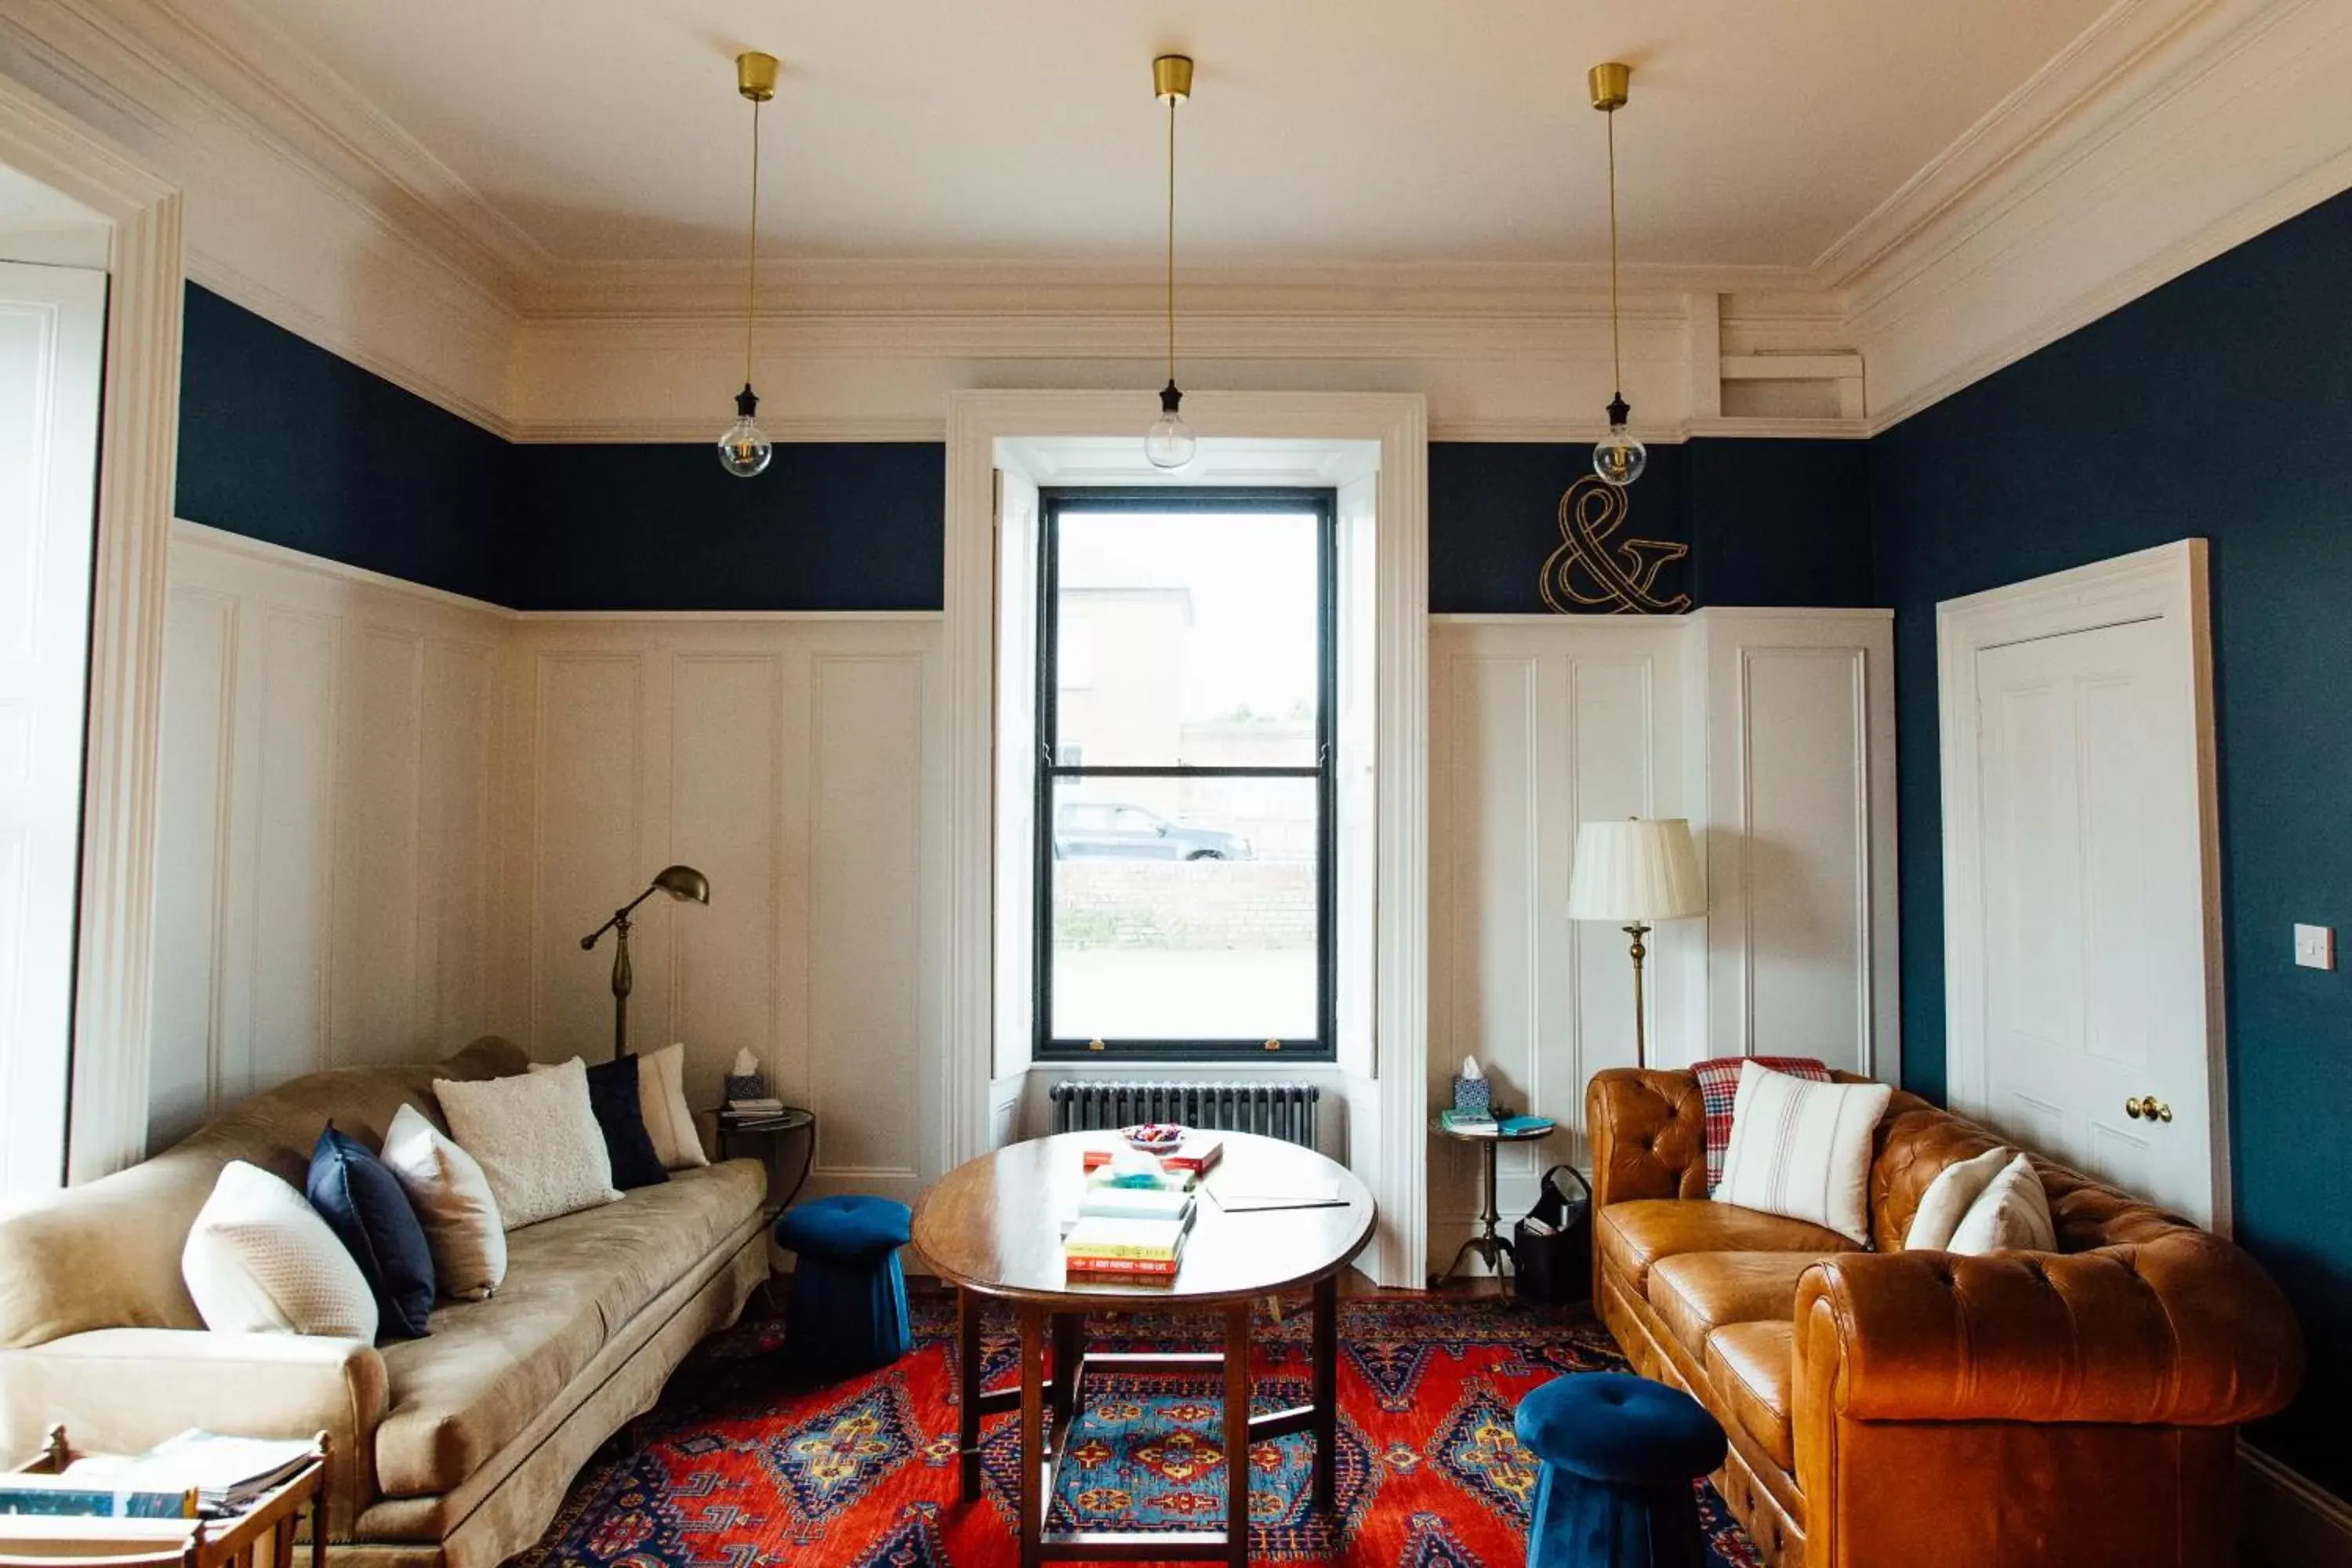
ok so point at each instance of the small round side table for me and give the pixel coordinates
(768, 1134)
(1490, 1244)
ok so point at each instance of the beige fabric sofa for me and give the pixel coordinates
(453, 1449)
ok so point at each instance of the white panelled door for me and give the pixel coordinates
(52, 343)
(2090, 930)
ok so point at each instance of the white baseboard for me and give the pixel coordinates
(2286, 1520)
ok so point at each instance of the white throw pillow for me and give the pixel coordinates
(259, 1260)
(670, 1120)
(1802, 1149)
(536, 1138)
(2013, 1214)
(452, 1201)
(1949, 1197)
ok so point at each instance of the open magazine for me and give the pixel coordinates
(228, 1474)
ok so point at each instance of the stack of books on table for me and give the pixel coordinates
(197, 1474)
(742, 1113)
(1111, 1246)
(1188, 1163)
(1466, 1120)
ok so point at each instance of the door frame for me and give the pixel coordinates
(138, 448)
(2169, 585)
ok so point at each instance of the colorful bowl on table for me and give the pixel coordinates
(1154, 1137)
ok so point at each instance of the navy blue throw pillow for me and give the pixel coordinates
(613, 1096)
(361, 1201)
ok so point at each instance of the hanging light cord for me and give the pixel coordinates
(751, 250)
(1172, 239)
(1616, 355)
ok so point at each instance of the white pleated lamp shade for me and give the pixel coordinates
(1642, 870)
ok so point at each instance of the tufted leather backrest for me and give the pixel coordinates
(1648, 1133)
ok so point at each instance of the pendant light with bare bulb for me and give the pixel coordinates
(744, 449)
(1618, 458)
(1169, 443)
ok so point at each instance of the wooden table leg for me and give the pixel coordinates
(1069, 1345)
(1032, 1520)
(968, 1304)
(1325, 1356)
(1237, 1414)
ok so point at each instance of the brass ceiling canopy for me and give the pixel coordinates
(1608, 82)
(1171, 78)
(755, 76)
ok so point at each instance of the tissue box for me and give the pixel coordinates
(1473, 1094)
(747, 1086)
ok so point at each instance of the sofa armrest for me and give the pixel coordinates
(120, 1391)
(2183, 1330)
(1648, 1133)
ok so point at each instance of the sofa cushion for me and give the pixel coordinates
(1694, 1293)
(1636, 1233)
(642, 1244)
(492, 1367)
(489, 1367)
(363, 1204)
(1753, 1369)
(1803, 1148)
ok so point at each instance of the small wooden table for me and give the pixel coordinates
(263, 1534)
(992, 1227)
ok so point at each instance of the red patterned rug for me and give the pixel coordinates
(745, 1462)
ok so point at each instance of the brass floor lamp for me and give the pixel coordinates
(1635, 873)
(680, 882)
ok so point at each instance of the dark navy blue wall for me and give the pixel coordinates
(2106, 442)
(830, 526)
(1769, 523)
(281, 440)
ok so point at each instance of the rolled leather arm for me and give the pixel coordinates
(2185, 1330)
(1648, 1133)
(120, 1391)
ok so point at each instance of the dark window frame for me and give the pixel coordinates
(1324, 506)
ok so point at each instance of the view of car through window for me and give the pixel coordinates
(1183, 846)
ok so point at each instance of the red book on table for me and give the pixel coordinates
(1197, 1155)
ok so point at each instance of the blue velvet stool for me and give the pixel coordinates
(848, 1311)
(1619, 1456)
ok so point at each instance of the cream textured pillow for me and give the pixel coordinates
(535, 1138)
(1802, 1149)
(452, 1201)
(259, 1260)
(1949, 1197)
(669, 1122)
(2013, 1214)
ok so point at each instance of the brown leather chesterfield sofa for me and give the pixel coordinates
(1887, 1408)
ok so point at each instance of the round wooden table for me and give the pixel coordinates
(992, 1227)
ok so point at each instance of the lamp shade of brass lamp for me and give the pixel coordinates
(683, 883)
(1635, 873)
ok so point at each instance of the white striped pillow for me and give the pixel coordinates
(1802, 1149)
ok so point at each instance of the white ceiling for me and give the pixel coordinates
(1321, 131)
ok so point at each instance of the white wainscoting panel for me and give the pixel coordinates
(1799, 808)
(326, 860)
(1773, 732)
(795, 761)
(1536, 724)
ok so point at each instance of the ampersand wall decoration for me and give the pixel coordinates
(1589, 572)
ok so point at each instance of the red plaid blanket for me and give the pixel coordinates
(1718, 1086)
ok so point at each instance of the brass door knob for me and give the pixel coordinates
(2147, 1106)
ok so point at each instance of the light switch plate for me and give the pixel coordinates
(2315, 947)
